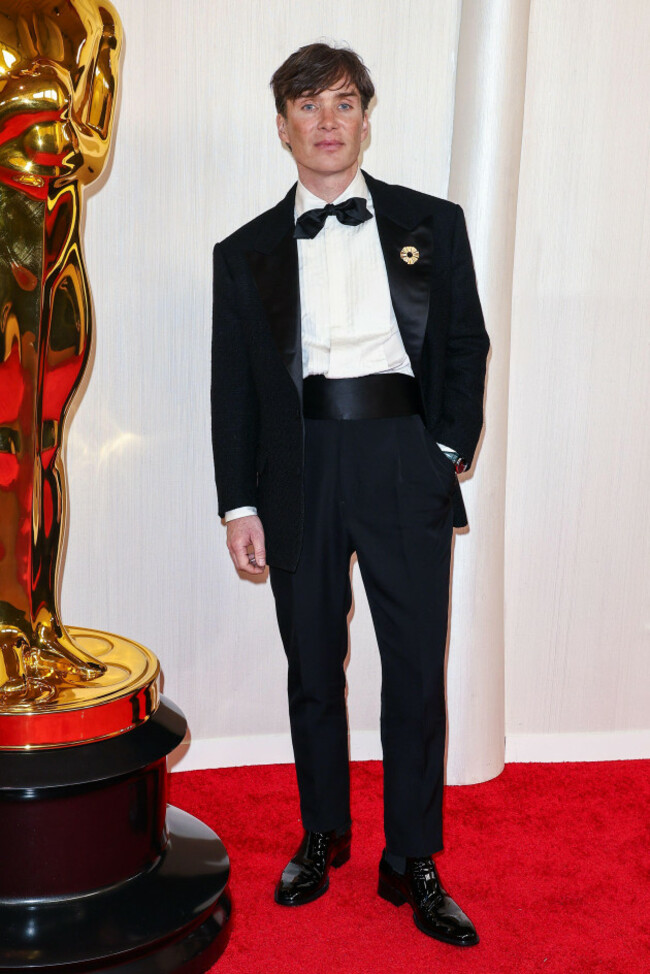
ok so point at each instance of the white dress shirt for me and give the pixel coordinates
(348, 325)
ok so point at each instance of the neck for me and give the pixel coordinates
(327, 186)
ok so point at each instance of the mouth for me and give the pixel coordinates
(329, 144)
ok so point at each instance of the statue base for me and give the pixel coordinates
(79, 712)
(97, 873)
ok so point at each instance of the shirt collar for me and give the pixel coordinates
(305, 200)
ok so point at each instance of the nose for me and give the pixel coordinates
(328, 118)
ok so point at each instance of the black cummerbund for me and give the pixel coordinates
(366, 397)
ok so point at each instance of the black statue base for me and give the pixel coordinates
(97, 873)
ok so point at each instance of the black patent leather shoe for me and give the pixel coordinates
(434, 911)
(305, 877)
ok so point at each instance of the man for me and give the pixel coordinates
(348, 372)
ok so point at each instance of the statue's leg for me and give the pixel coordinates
(20, 682)
(58, 651)
(64, 350)
(17, 382)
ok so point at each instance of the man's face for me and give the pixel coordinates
(325, 131)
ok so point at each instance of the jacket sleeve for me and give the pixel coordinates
(465, 353)
(235, 412)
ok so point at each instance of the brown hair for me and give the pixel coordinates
(315, 67)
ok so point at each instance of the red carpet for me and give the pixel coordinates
(551, 862)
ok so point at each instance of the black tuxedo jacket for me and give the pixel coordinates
(257, 355)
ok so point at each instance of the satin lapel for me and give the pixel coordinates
(410, 284)
(274, 265)
(400, 223)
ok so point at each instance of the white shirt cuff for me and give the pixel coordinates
(446, 449)
(239, 512)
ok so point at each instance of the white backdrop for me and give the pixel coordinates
(195, 156)
(577, 579)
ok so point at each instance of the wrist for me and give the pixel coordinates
(237, 512)
(459, 462)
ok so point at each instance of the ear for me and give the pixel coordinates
(281, 123)
(364, 127)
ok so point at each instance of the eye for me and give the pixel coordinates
(307, 106)
(345, 105)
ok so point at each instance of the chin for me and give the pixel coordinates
(333, 162)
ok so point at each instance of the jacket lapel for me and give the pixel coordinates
(274, 265)
(401, 225)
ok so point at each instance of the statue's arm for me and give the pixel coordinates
(101, 84)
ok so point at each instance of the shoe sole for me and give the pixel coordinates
(392, 895)
(444, 940)
(339, 860)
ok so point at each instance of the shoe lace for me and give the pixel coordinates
(426, 882)
(317, 847)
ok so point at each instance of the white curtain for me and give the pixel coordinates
(577, 526)
(484, 176)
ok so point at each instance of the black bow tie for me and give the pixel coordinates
(351, 212)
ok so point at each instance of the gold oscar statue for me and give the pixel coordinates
(58, 81)
(97, 871)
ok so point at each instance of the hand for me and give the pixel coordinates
(245, 539)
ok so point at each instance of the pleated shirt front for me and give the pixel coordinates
(348, 324)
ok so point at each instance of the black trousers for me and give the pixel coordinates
(382, 488)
